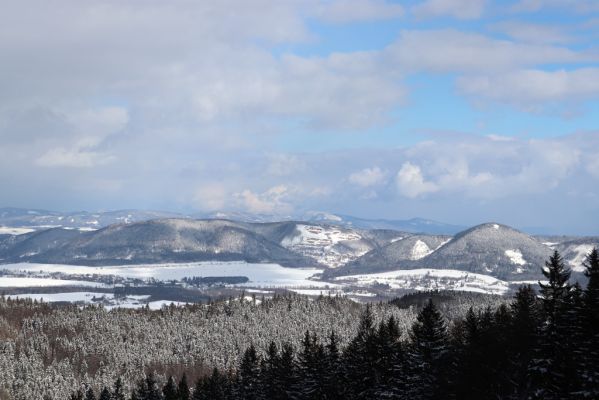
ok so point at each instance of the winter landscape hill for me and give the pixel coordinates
(340, 249)
(397, 254)
(491, 249)
(155, 241)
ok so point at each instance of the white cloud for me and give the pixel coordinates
(93, 125)
(456, 175)
(72, 158)
(284, 164)
(343, 91)
(342, 11)
(529, 89)
(197, 60)
(500, 138)
(581, 6)
(211, 196)
(411, 183)
(461, 9)
(272, 201)
(533, 33)
(592, 165)
(367, 177)
(454, 51)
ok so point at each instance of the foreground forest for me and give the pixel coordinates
(48, 351)
(463, 346)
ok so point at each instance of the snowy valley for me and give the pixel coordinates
(186, 260)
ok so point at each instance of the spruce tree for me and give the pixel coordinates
(470, 356)
(249, 375)
(310, 362)
(332, 378)
(390, 368)
(89, 394)
(429, 356)
(270, 366)
(199, 391)
(183, 388)
(147, 389)
(554, 293)
(169, 391)
(286, 376)
(522, 339)
(358, 360)
(215, 386)
(591, 326)
(118, 392)
(78, 395)
(574, 335)
(105, 394)
(551, 358)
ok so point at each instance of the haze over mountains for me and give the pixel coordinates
(32, 219)
(340, 250)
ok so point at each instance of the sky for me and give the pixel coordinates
(461, 111)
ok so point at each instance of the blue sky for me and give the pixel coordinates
(464, 111)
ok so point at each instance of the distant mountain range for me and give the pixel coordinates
(22, 220)
(26, 220)
(340, 249)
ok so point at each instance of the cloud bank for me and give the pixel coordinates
(186, 105)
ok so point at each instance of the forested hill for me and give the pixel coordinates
(424, 346)
(536, 347)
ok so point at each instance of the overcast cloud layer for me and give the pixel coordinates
(463, 111)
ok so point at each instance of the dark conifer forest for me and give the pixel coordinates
(541, 345)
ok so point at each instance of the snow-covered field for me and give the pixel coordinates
(108, 300)
(15, 282)
(259, 275)
(430, 279)
(7, 230)
(73, 297)
(332, 292)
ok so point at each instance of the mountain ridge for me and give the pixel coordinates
(491, 248)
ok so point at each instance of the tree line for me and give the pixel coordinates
(542, 345)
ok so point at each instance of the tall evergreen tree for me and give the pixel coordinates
(555, 292)
(169, 391)
(183, 388)
(469, 356)
(311, 363)
(212, 387)
(147, 389)
(270, 366)
(249, 375)
(89, 394)
(390, 362)
(591, 326)
(78, 395)
(118, 392)
(199, 391)
(332, 378)
(359, 359)
(481, 355)
(429, 356)
(105, 394)
(522, 338)
(551, 360)
(286, 376)
(574, 333)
